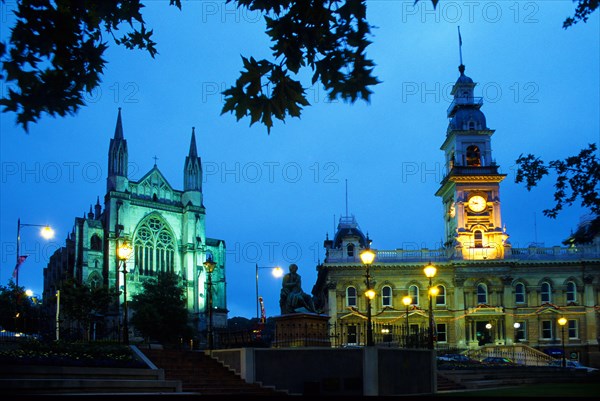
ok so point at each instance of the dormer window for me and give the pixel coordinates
(473, 156)
(471, 125)
(350, 250)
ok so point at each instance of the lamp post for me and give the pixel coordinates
(430, 272)
(562, 322)
(123, 253)
(210, 267)
(277, 272)
(407, 300)
(367, 257)
(47, 232)
(516, 325)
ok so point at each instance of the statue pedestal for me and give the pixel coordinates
(301, 330)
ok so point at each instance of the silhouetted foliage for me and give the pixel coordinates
(576, 178)
(55, 54)
(15, 307)
(82, 303)
(160, 311)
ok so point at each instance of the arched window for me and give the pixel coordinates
(546, 293)
(350, 250)
(154, 248)
(95, 281)
(95, 243)
(386, 296)
(413, 292)
(520, 293)
(571, 292)
(482, 295)
(473, 156)
(440, 299)
(471, 125)
(351, 296)
(478, 238)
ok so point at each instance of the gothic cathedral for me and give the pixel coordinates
(165, 228)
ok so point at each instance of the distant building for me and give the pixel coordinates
(489, 292)
(164, 226)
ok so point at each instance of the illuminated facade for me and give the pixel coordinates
(489, 292)
(164, 226)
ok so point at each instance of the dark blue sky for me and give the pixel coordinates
(273, 198)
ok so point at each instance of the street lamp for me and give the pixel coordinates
(277, 272)
(123, 253)
(563, 321)
(517, 326)
(407, 300)
(210, 265)
(46, 232)
(430, 271)
(367, 257)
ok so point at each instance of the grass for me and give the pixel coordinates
(565, 390)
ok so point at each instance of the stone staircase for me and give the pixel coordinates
(23, 380)
(201, 374)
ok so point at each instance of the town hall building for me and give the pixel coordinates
(488, 292)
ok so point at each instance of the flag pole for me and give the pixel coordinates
(460, 45)
(18, 246)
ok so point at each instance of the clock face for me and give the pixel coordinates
(477, 203)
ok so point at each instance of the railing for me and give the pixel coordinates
(519, 353)
(337, 335)
(446, 255)
(460, 101)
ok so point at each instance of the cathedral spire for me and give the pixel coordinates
(119, 127)
(193, 150)
(192, 169)
(117, 159)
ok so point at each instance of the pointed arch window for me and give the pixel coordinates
(413, 292)
(571, 292)
(520, 293)
(350, 250)
(95, 243)
(473, 156)
(350, 296)
(482, 294)
(154, 248)
(386, 296)
(546, 293)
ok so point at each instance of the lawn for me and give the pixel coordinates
(566, 390)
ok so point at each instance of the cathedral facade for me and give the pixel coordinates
(488, 293)
(164, 227)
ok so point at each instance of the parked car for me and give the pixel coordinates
(454, 358)
(497, 360)
(572, 365)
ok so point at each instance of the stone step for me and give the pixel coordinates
(199, 373)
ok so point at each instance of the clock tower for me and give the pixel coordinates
(470, 190)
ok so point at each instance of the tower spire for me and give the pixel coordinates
(119, 127)
(193, 150)
(192, 169)
(117, 159)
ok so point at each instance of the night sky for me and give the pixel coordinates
(274, 197)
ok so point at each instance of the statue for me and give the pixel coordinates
(292, 299)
